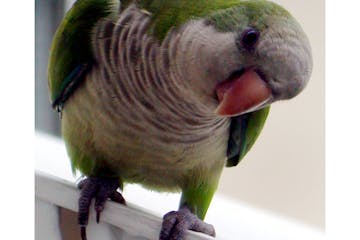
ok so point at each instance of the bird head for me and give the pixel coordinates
(245, 57)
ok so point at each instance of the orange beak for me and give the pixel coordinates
(242, 94)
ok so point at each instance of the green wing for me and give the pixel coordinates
(244, 130)
(70, 54)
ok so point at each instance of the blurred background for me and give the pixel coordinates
(285, 171)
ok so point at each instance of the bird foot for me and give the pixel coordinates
(101, 189)
(176, 223)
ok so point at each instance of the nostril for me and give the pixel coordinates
(249, 38)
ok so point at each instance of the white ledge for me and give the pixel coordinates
(132, 219)
(55, 184)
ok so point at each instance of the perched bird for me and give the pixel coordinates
(168, 93)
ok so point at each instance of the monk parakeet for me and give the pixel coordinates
(165, 93)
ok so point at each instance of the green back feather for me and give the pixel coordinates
(71, 45)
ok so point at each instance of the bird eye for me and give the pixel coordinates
(249, 38)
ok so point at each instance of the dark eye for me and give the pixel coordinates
(249, 38)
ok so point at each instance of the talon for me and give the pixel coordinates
(83, 232)
(82, 183)
(176, 223)
(98, 210)
(168, 224)
(117, 197)
(101, 189)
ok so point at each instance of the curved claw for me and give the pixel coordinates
(98, 212)
(176, 223)
(82, 183)
(83, 232)
(117, 197)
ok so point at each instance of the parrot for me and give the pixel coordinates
(167, 93)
